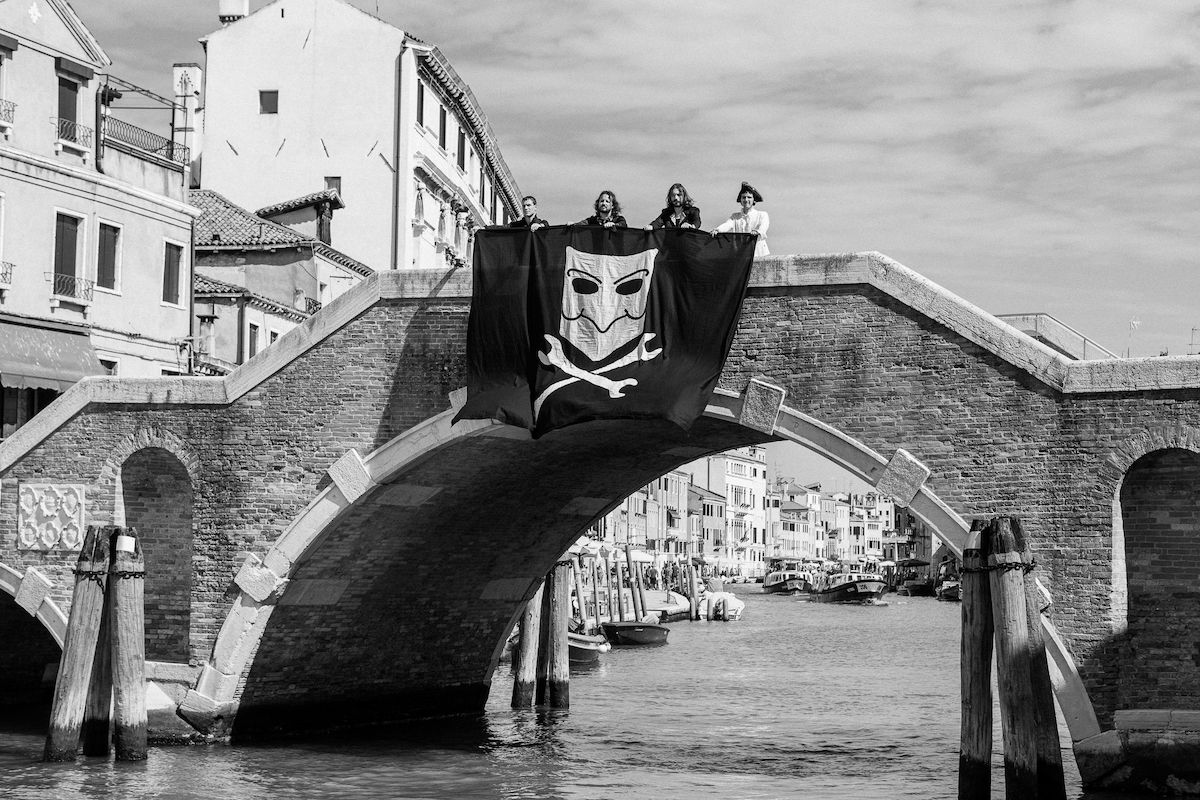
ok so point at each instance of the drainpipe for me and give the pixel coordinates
(241, 307)
(396, 177)
(99, 140)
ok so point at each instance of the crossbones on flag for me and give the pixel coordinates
(573, 323)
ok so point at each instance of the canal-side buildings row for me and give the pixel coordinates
(188, 251)
(727, 510)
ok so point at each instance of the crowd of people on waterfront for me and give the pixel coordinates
(680, 212)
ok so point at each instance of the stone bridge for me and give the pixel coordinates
(324, 547)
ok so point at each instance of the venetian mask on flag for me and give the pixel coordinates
(603, 309)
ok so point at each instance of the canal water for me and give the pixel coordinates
(796, 700)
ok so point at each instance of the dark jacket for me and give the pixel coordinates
(618, 220)
(691, 215)
(521, 222)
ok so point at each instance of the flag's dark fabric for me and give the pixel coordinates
(529, 367)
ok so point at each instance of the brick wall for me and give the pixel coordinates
(156, 492)
(1160, 508)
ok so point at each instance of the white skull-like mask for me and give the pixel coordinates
(604, 300)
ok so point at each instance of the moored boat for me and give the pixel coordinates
(630, 632)
(584, 648)
(949, 590)
(848, 587)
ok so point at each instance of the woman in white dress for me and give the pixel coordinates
(748, 220)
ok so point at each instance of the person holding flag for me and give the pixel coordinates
(530, 219)
(749, 219)
(680, 212)
(608, 212)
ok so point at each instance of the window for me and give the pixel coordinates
(333, 182)
(172, 262)
(68, 103)
(109, 366)
(66, 246)
(107, 256)
(481, 184)
(274, 337)
(420, 103)
(442, 127)
(462, 149)
(252, 347)
(268, 101)
(493, 203)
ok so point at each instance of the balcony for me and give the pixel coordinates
(72, 136)
(8, 111)
(6, 273)
(113, 129)
(67, 287)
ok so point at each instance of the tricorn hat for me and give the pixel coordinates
(748, 188)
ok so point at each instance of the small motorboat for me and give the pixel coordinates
(848, 587)
(721, 606)
(949, 590)
(630, 632)
(583, 648)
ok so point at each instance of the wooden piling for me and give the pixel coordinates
(633, 592)
(1051, 781)
(693, 592)
(975, 749)
(79, 648)
(558, 692)
(577, 572)
(97, 715)
(620, 589)
(641, 592)
(608, 582)
(1006, 563)
(596, 590)
(126, 586)
(525, 660)
(542, 685)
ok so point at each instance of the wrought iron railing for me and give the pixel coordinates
(311, 306)
(121, 131)
(70, 286)
(6, 271)
(73, 132)
(7, 110)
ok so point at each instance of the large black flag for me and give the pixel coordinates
(575, 323)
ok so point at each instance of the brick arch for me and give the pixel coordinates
(145, 436)
(1112, 472)
(32, 627)
(264, 580)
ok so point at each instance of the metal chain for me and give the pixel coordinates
(128, 574)
(1029, 567)
(96, 575)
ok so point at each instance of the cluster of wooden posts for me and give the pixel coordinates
(101, 686)
(1001, 602)
(541, 661)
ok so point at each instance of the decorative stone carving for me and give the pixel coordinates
(50, 516)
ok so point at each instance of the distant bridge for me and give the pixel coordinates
(325, 548)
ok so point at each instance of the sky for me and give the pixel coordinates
(1027, 155)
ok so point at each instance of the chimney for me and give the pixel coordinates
(232, 10)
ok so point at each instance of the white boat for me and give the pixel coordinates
(848, 586)
(786, 576)
(722, 606)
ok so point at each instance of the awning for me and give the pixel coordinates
(43, 358)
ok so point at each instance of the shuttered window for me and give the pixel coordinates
(172, 258)
(106, 258)
(66, 243)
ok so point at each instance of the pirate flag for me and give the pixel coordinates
(576, 323)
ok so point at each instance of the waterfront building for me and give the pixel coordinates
(95, 231)
(256, 278)
(707, 517)
(318, 93)
(740, 476)
(667, 526)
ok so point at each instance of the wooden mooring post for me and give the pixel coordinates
(975, 752)
(577, 572)
(638, 613)
(127, 615)
(693, 592)
(1006, 561)
(79, 648)
(554, 670)
(97, 716)
(1051, 781)
(525, 660)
